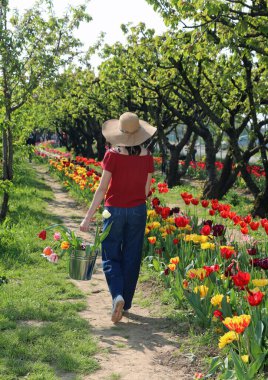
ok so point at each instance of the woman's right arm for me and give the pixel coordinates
(97, 199)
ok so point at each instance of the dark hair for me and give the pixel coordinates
(133, 150)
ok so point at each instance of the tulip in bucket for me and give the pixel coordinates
(82, 263)
(82, 256)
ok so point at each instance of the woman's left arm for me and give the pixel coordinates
(148, 184)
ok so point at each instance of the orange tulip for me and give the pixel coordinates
(172, 267)
(48, 251)
(152, 239)
(175, 260)
(65, 245)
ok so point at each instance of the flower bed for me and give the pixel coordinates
(204, 263)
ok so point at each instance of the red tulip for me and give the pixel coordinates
(255, 298)
(186, 195)
(232, 214)
(218, 314)
(264, 221)
(247, 218)
(43, 235)
(204, 203)
(254, 225)
(181, 221)
(214, 205)
(236, 219)
(224, 214)
(155, 202)
(244, 231)
(165, 212)
(241, 279)
(211, 269)
(205, 230)
(226, 253)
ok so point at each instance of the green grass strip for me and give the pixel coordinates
(42, 335)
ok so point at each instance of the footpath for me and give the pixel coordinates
(140, 346)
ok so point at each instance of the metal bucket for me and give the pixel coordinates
(81, 264)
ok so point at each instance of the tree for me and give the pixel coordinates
(32, 48)
(232, 93)
(135, 73)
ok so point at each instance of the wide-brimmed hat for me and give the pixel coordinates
(129, 130)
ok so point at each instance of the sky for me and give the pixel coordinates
(107, 16)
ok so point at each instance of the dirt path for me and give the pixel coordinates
(140, 346)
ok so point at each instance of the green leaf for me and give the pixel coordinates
(216, 362)
(239, 370)
(259, 332)
(256, 365)
(226, 308)
(156, 265)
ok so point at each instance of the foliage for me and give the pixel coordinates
(33, 46)
(175, 82)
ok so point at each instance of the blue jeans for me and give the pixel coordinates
(122, 250)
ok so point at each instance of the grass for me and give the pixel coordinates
(114, 376)
(41, 333)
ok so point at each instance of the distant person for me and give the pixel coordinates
(31, 141)
(125, 185)
(194, 153)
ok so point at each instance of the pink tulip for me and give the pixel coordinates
(53, 258)
(57, 236)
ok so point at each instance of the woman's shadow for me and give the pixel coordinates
(143, 332)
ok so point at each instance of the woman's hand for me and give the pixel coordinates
(85, 225)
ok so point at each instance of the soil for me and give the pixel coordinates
(141, 346)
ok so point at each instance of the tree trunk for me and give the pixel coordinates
(173, 174)
(10, 153)
(211, 185)
(4, 206)
(227, 177)
(7, 169)
(260, 207)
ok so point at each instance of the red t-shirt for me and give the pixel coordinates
(129, 176)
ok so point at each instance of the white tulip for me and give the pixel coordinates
(106, 214)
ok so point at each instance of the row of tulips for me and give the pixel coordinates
(45, 152)
(198, 168)
(219, 274)
(206, 265)
(248, 226)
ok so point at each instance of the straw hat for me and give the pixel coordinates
(127, 131)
